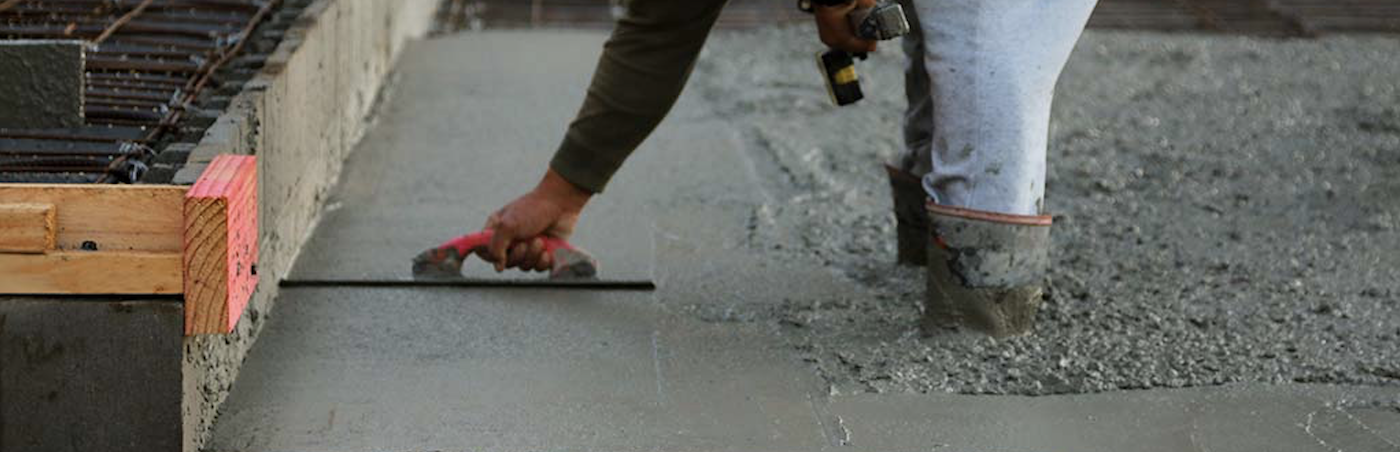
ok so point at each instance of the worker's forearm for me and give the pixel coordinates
(644, 66)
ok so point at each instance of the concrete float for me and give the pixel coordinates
(97, 359)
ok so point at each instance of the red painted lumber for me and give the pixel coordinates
(221, 244)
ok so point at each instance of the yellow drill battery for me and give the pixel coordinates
(842, 82)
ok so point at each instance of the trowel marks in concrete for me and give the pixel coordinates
(41, 84)
(460, 137)
(1225, 211)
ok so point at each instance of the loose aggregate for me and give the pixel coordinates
(1225, 212)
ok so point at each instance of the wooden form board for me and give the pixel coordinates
(200, 241)
(100, 273)
(112, 217)
(27, 228)
(221, 245)
(90, 239)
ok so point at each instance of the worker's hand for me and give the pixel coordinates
(835, 28)
(550, 210)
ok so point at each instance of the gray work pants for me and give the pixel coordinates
(980, 80)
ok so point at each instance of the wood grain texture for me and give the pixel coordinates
(132, 235)
(220, 242)
(27, 228)
(91, 273)
(142, 218)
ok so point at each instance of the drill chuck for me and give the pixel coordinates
(880, 23)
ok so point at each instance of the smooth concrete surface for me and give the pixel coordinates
(78, 375)
(1231, 418)
(410, 369)
(1383, 422)
(361, 370)
(41, 84)
(700, 364)
(469, 128)
(301, 115)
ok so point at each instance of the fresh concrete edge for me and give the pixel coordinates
(301, 115)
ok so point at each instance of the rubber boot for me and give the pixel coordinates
(985, 270)
(911, 219)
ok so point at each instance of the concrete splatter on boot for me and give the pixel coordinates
(911, 220)
(985, 270)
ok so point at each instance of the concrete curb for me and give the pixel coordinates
(301, 115)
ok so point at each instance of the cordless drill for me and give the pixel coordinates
(882, 22)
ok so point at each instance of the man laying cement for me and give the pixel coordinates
(968, 193)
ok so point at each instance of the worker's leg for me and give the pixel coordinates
(918, 117)
(993, 65)
(911, 223)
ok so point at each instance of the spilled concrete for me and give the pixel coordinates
(1224, 213)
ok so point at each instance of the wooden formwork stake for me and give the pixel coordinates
(220, 244)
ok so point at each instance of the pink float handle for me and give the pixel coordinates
(481, 240)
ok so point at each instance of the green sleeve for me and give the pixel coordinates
(644, 66)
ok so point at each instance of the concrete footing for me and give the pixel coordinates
(41, 84)
(301, 116)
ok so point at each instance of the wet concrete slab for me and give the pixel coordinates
(392, 369)
(1382, 422)
(706, 362)
(470, 124)
(359, 370)
(1251, 417)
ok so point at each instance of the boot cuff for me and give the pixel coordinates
(990, 250)
(993, 217)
